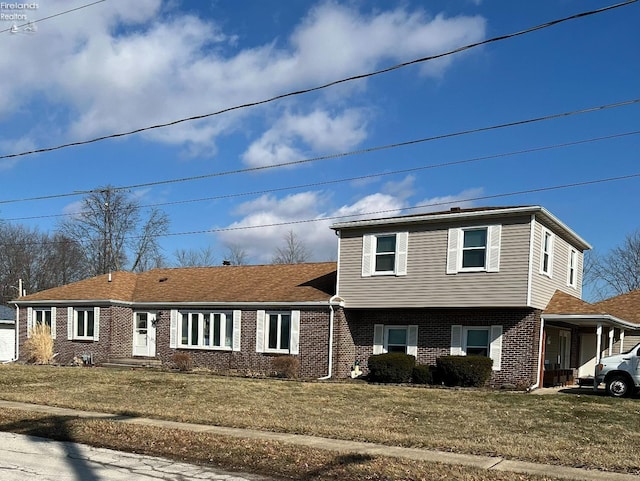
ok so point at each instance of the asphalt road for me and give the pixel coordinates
(25, 458)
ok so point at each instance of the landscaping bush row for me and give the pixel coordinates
(468, 371)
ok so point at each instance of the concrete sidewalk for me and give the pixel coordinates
(342, 446)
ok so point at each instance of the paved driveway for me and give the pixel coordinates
(26, 458)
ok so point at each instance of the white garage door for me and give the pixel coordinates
(7, 342)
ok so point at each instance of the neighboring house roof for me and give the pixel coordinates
(311, 282)
(7, 313)
(624, 308)
(468, 214)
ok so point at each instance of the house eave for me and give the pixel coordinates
(174, 304)
(590, 319)
(465, 216)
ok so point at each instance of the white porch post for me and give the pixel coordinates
(611, 337)
(621, 341)
(598, 341)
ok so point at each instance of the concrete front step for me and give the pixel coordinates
(133, 362)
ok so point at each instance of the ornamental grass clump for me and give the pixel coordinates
(39, 345)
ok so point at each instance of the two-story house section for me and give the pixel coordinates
(463, 281)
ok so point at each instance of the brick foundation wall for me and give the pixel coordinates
(520, 341)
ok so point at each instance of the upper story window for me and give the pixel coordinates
(572, 274)
(206, 330)
(384, 254)
(473, 249)
(546, 256)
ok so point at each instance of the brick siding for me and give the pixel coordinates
(520, 341)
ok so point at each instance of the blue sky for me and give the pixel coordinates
(117, 66)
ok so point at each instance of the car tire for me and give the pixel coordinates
(618, 386)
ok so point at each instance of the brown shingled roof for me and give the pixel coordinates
(312, 282)
(625, 306)
(563, 303)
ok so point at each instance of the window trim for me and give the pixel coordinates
(228, 316)
(369, 254)
(455, 249)
(572, 268)
(496, 334)
(74, 323)
(485, 265)
(32, 319)
(381, 338)
(262, 334)
(267, 318)
(375, 254)
(465, 337)
(547, 250)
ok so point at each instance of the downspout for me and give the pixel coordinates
(331, 316)
(540, 360)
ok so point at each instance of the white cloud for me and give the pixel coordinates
(318, 130)
(463, 199)
(114, 67)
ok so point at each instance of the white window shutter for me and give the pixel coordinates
(260, 319)
(456, 340)
(551, 254)
(378, 338)
(96, 323)
(173, 329)
(412, 341)
(493, 246)
(69, 323)
(53, 323)
(453, 250)
(294, 342)
(367, 255)
(402, 245)
(29, 321)
(237, 316)
(495, 348)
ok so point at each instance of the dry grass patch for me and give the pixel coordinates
(572, 430)
(39, 345)
(260, 457)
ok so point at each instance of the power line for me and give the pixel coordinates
(53, 16)
(326, 85)
(372, 213)
(338, 155)
(362, 177)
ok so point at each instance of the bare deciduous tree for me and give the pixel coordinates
(616, 272)
(111, 230)
(236, 255)
(294, 251)
(195, 258)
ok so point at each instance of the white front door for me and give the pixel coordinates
(587, 355)
(144, 334)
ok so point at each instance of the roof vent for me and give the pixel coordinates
(163, 279)
(455, 209)
(226, 263)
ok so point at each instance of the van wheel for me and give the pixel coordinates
(618, 386)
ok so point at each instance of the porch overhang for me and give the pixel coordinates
(591, 320)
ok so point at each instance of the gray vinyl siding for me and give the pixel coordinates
(426, 283)
(543, 286)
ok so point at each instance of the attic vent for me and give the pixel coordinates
(163, 279)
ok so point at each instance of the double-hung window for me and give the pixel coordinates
(206, 330)
(572, 274)
(546, 256)
(384, 254)
(478, 341)
(391, 338)
(474, 249)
